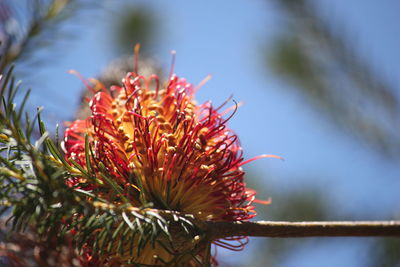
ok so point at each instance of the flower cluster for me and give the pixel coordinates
(181, 154)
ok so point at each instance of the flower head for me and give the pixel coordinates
(182, 155)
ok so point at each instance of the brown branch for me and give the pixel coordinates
(218, 230)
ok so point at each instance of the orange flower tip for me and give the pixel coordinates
(173, 54)
(271, 156)
(72, 71)
(136, 48)
(80, 77)
(260, 157)
(264, 202)
(97, 84)
(136, 58)
(202, 83)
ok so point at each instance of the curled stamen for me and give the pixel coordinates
(135, 114)
(260, 157)
(155, 78)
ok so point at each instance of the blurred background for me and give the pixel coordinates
(319, 80)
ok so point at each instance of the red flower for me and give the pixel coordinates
(183, 155)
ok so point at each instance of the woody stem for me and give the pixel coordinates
(218, 230)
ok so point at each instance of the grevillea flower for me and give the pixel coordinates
(183, 154)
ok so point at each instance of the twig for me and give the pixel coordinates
(218, 230)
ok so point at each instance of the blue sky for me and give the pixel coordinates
(225, 39)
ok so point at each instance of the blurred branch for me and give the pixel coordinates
(218, 230)
(314, 27)
(323, 65)
(136, 24)
(23, 29)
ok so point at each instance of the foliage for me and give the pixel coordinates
(33, 179)
(29, 26)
